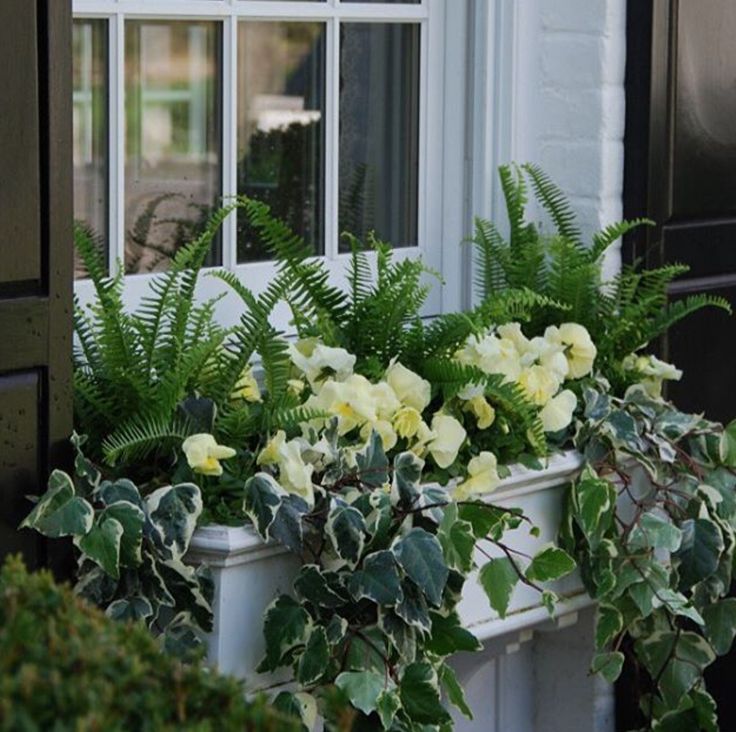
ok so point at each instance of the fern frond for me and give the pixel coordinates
(554, 202)
(140, 437)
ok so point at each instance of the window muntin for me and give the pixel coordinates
(90, 130)
(173, 134)
(428, 17)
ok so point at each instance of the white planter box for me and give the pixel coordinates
(249, 574)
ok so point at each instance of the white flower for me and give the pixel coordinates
(482, 477)
(450, 435)
(352, 401)
(406, 422)
(247, 387)
(295, 476)
(580, 350)
(654, 370)
(557, 412)
(385, 431)
(424, 435)
(539, 383)
(512, 332)
(411, 389)
(386, 400)
(319, 362)
(550, 354)
(271, 452)
(492, 355)
(484, 413)
(204, 454)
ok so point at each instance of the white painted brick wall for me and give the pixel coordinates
(577, 101)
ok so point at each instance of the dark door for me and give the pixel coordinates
(681, 172)
(35, 256)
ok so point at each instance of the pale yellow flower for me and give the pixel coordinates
(247, 387)
(557, 412)
(484, 413)
(482, 477)
(204, 454)
(270, 453)
(411, 389)
(319, 362)
(295, 386)
(450, 435)
(655, 372)
(580, 350)
(422, 438)
(384, 429)
(539, 384)
(295, 476)
(406, 422)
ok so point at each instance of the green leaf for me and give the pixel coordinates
(387, 704)
(407, 474)
(174, 511)
(702, 544)
(362, 688)
(728, 445)
(131, 608)
(595, 502)
(420, 555)
(322, 589)
(59, 512)
(315, 658)
(401, 635)
(551, 563)
(720, 624)
(655, 532)
(367, 651)
(482, 517)
(131, 518)
(110, 492)
(286, 526)
(420, 694)
(285, 625)
(454, 691)
(608, 665)
(413, 608)
(372, 462)
(609, 623)
(102, 544)
(498, 578)
(448, 636)
(262, 500)
(378, 580)
(458, 541)
(346, 530)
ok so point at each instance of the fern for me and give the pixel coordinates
(140, 437)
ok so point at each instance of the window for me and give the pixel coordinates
(324, 109)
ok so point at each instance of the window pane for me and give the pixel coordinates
(173, 137)
(281, 127)
(90, 130)
(379, 131)
(384, 2)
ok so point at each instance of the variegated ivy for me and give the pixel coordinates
(651, 521)
(131, 548)
(373, 612)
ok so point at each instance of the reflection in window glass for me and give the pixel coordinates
(90, 131)
(281, 127)
(173, 119)
(379, 131)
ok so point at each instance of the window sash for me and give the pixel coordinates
(429, 15)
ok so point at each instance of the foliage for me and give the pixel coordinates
(65, 666)
(131, 548)
(373, 614)
(623, 315)
(651, 521)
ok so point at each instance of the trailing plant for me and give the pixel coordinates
(373, 614)
(651, 521)
(131, 548)
(623, 316)
(65, 666)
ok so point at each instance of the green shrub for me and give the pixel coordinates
(65, 666)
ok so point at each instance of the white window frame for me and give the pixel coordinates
(442, 147)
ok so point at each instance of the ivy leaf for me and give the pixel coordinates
(420, 694)
(191, 590)
(595, 501)
(482, 517)
(346, 530)
(372, 462)
(454, 691)
(551, 563)
(378, 580)
(413, 608)
(313, 662)
(286, 526)
(420, 555)
(130, 608)
(401, 635)
(720, 624)
(59, 512)
(262, 500)
(102, 544)
(174, 511)
(387, 704)
(362, 688)
(609, 624)
(728, 445)
(367, 650)
(457, 540)
(433, 500)
(285, 625)
(449, 636)
(656, 532)
(131, 518)
(702, 544)
(407, 474)
(322, 589)
(608, 665)
(498, 578)
(110, 492)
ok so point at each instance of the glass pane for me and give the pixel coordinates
(281, 127)
(379, 131)
(173, 137)
(384, 2)
(90, 131)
